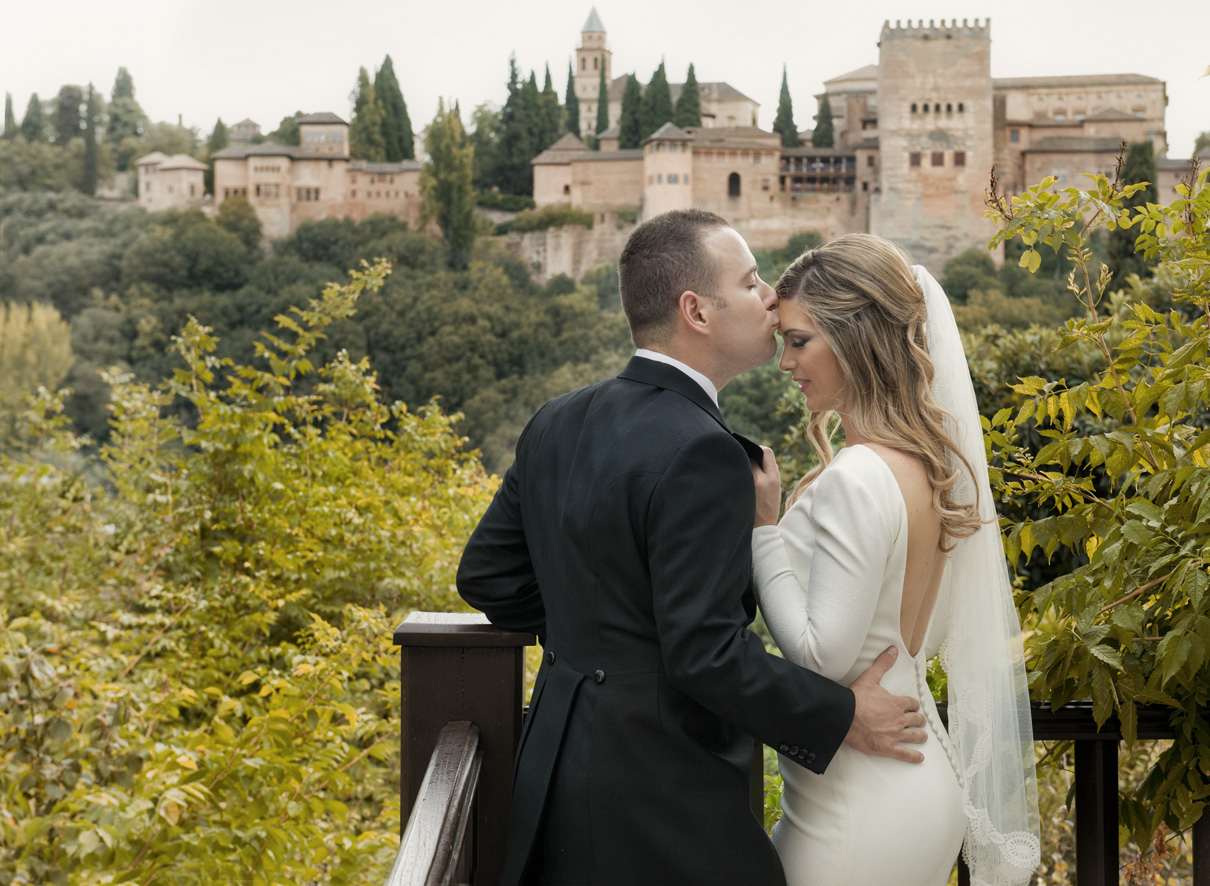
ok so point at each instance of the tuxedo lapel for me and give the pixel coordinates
(662, 375)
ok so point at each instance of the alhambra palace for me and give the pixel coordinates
(916, 136)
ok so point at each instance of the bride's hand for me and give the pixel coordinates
(768, 488)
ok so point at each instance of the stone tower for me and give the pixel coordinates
(591, 58)
(935, 138)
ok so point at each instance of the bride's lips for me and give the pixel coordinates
(803, 384)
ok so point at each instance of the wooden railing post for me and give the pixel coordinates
(1097, 813)
(457, 666)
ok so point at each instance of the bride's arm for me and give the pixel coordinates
(820, 615)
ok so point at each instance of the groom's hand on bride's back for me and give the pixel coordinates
(882, 722)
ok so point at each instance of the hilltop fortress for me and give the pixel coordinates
(916, 136)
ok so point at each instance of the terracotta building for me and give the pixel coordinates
(916, 138)
(169, 182)
(289, 184)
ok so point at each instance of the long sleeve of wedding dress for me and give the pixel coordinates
(829, 579)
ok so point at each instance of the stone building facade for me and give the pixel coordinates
(916, 138)
(288, 185)
(170, 182)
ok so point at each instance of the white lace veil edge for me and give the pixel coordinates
(989, 714)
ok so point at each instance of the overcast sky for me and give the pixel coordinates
(265, 59)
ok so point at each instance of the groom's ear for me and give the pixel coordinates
(690, 313)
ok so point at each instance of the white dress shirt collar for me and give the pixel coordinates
(705, 383)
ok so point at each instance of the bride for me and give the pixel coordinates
(894, 541)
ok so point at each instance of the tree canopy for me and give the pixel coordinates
(823, 136)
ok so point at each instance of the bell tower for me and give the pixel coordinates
(592, 57)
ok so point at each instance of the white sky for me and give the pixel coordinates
(265, 59)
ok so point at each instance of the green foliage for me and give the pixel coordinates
(771, 263)
(365, 130)
(689, 102)
(655, 108)
(784, 124)
(445, 184)
(199, 650)
(630, 124)
(33, 124)
(237, 216)
(1137, 168)
(35, 351)
(1120, 480)
(823, 136)
(287, 130)
(507, 202)
(555, 215)
(33, 166)
(396, 124)
(169, 138)
(67, 121)
(603, 104)
(571, 103)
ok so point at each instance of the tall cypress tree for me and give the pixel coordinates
(689, 102)
(123, 84)
(33, 124)
(535, 115)
(396, 125)
(517, 128)
(92, 111)
(602, 104)
(124, 120)
(553, 111)
(823, 136)
(365, 130)
(631, 128)
(1139, 166)
(783, 124)
(571, 103)
(656, 107)
(217, 141)
(10, 120)
(68, 122)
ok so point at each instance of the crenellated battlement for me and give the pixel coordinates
(932, 30)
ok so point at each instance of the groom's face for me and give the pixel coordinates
(748, 305)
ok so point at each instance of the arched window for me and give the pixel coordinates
(594, 63)
(937, 107)
(733, 185)
(925, 108)
(960, 108)
(949, 109)
(913, 107)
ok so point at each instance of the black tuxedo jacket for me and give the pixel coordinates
(621, 536)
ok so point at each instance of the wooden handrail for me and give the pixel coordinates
(436, 831)
(458, 667)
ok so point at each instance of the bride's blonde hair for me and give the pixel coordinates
(859, 292)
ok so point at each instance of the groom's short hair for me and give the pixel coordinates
(663, 258)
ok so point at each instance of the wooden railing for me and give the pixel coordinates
(431, 852)
(458, 670)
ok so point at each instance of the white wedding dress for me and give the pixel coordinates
(830, 581)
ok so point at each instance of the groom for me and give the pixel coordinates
(621, 536)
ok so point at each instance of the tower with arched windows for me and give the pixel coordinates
(592, 57)
(935, 135)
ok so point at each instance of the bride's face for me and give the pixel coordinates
(809, 359)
